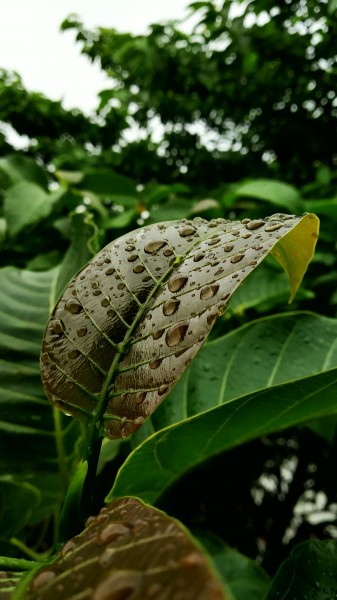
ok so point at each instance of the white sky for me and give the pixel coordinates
(49, 61)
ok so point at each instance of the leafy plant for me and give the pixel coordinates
(120, 337)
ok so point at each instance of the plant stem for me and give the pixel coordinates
(89, 482)
(36, 556)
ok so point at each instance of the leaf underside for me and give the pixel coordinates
(131, 321)
(129, 550)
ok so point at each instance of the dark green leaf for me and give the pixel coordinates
(129, 324)
(274, 192)
(18, 500)
(20, 168)
(26, 204)
(243, 577)
(310, 572)
(39, 447)
(105, 183)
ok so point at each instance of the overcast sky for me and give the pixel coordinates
(49, 61)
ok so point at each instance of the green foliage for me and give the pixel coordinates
(255, 412)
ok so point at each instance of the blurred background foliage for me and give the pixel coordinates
(236, 118)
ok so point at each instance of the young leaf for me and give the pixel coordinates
(129, 323)
(129, 550)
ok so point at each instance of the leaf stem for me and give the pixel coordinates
(87, 496)
(35, 556)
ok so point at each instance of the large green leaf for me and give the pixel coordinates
(26, 204)
(274, 192)
(38, 445)
(172, 451)
(129, 550)
(21, 168)
(129, 324)
(310, 572)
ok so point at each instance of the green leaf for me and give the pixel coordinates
(310, 572)
(26, 204)
(129, 549)
(274, 192)
(39, 447)
(129, 324)
(21, 168)
(105, 182)
(332, 7)
(84, 244)
(172, 451)
(17, 502)
(242, 576)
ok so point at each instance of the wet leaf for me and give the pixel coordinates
(8, 583)
(129, 550)
(310, 572)
(130, 322)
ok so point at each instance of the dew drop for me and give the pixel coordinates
(209, 291)
(111, 532)
(252, 263)
(139, 421)
(187, 230)
(67, 547)
(109, 271)
(236, 258)
(214, 240)
(273, 226)
(245, 221)
(111, 312)
(121, 286)
(168, 252)
(147, 278)
(245, 236)
(132, 258)
(107, 260)
(138, 268)
(177, 282)
(74, 353)
(57, 326)
(81, 332)
(163, 389)
(129, 248)
(73, 306)
(45, 357)
(97, 292)
(119, 586)
(228, 247)
(258, 247)
(140, 397)
(42, 578)
(176, 333)
(180, 352)
(198, 256)
(154, 364)
(212, 317)
(254, 224)
(157, 334)
(154, 245)
(105, 302)
(192, 560)
(170, 306)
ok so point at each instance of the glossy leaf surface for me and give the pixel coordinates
(129, 550)
(129, 323)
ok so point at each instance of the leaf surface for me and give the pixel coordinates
(129, 323)
(26, 204)
(38, 446)
(310, 572)
(129, 550)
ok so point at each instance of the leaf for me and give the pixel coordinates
(243, 577)
(274, 192)
(83, 246)
(21, 168)
(38, 446)
(105, 182)
(310, 572)
(176, 449)
(26, 204)
(128, 325)
(17, 502)
(129, 550)
(8, 583)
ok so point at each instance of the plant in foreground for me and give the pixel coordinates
(120, 337)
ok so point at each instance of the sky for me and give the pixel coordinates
(49, 61)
